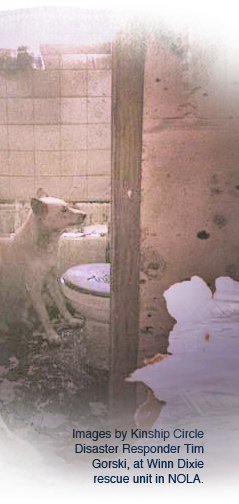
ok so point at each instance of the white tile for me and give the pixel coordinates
(99, 136)
(73, 83)
(21, 187)
(21, 163)
(4, 187)
(46, 111)
(21, 137)
(99, 83)
(3, 137)
(73, 110)
(47, 137)
(99, 110)
(48, 163)
(73, 137)
(74, 162)
(3, 111)
(4, 164)
(20, 110)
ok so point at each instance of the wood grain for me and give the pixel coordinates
(127, 116)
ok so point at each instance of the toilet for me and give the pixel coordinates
(87, 287)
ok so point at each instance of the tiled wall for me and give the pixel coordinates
(55, 127)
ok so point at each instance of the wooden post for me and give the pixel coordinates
(127, 117)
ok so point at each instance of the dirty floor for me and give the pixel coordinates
(45, 392)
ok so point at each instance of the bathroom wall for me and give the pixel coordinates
(190, 177)
(55, 131)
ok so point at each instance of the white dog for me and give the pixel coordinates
(28, 259)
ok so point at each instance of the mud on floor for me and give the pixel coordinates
(46, 391)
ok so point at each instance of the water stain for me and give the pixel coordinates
(155, 19)
(214, 190)
(220, 220)
(147, 330)
(194, 90)
(152, 263)
(232, 270)
(214, 178)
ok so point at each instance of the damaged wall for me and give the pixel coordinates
(190, 176)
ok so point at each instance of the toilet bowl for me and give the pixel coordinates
(87, 287)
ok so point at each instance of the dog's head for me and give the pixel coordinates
(56, 214)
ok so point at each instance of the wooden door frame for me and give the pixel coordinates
(128, 59)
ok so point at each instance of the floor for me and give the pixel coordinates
(44, 393)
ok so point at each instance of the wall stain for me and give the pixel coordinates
(219, 220)
(155, 19)
(203, 235)
(214, 190)
(214, 178)
(194, 90)
(147, 330)
(152, 263)
(232, 270)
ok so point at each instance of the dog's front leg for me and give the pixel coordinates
(57, 296)
(34, 289)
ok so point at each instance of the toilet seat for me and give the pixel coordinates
(92, 279)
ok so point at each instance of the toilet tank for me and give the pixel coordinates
(75, 248)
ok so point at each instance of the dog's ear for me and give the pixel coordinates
(41, 193)
(38, 206)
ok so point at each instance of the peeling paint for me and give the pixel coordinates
(147, 330)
